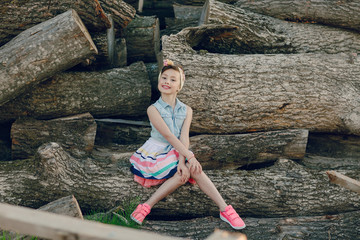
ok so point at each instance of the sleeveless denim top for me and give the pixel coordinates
(174, 119)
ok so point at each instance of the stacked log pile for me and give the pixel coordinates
(70, 75)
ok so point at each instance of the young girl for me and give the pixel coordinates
(165, 158)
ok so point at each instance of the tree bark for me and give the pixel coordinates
(285, 189)
(334, 13)
(42, 51)
(242, 150)
(341, 226)
(75, 133)
(17, 16)
(120, 91)
(143, 39)
(261, 34)
(243, 93)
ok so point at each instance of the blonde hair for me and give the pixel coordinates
(168, 64)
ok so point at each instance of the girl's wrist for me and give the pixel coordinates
(191, 157)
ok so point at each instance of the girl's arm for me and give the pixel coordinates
(160, 125)
(184, 135)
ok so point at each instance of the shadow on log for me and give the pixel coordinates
(244, 93)
(115, 92)
(290, 189)
(41, 51)
(75, 133)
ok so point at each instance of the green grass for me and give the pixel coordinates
(119, 216)
(4, 235)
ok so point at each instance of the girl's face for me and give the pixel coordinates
(169, 82)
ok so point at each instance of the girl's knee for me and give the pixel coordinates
(177, 179)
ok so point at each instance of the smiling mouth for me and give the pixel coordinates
(166, 87)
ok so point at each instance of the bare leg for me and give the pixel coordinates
(165, 189)
(207, 186)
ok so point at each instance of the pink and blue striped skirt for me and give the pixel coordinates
(153, 163)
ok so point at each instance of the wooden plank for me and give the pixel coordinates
(344, 181)
(52, 226)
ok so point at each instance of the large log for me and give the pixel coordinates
(261, 34)
(335, 13)
(75, 133)
(325, 227)
(231, 151)
(143, 39)
(243, 150)
(119, 91)
(285, 189)
(17, 16)
(41, 51)
(242, 93)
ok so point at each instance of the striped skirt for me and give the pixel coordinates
(153, 163)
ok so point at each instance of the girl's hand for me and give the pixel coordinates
(184, 172)
(194, 166)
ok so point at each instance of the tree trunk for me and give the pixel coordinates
(215, 151)
(120, 91)
(242, 150)
(261, 34)
(343, 14)
(143, 39)
(243, 93)
(18, 16)
(76, 133)
(42, 51)
(341, 226)
(290, 189)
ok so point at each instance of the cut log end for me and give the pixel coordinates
(85, 31)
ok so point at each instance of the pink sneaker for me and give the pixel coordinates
(141, 211)
(230, 216)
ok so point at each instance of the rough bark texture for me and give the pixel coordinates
(65, 206)
(242, 93)
(335, 13)
(143, 39)
(119, 91)
(41, 51)
(75, 133)
(290, 189)
(17, 16)
(325, 227)
(261, 34)
(241, 150)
